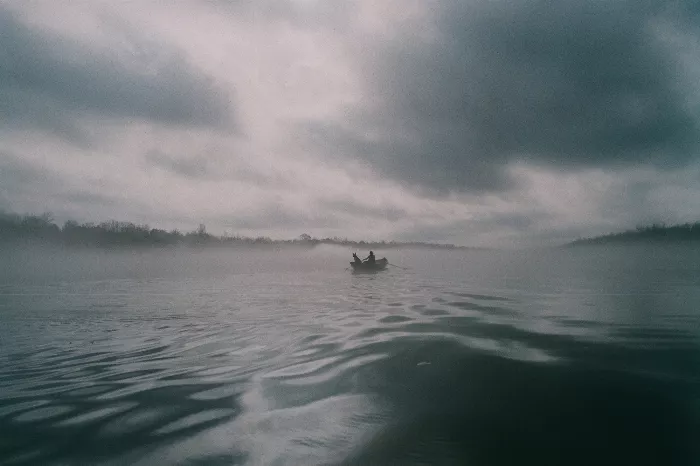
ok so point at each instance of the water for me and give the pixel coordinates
(585, 356)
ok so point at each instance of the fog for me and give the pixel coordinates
(540, 268)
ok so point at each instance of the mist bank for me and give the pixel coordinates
(41, 229)
(655, 233)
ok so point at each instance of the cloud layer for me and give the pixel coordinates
(474, 122)
(48, 81)
(568, 85)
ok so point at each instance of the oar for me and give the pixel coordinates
(394, 265)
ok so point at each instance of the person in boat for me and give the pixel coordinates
(371, 260)
(358, 261)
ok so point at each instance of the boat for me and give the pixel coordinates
(379, 264)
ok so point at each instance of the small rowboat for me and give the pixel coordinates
(380, 264)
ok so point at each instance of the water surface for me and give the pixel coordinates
(572, 356)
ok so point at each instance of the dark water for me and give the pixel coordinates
(569, 357)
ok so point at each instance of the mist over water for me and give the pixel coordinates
(561, 356)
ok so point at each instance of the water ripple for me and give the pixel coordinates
(325, 367)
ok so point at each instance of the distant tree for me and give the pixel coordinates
(70, 225)
(15, 227)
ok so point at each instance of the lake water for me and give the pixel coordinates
(565, 357)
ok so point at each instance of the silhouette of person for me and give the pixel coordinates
(370, 259)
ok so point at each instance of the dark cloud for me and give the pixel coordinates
(271, 217)
(211, 165)
(22, 182)
(87, 199)
(14, 172)
(567, 84)
(47, 81)
(193, 168)
(324, 15)
(354, 209)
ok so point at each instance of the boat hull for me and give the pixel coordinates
(365, 267)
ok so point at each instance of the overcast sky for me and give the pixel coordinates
(486, 122)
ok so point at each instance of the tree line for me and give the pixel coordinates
(657, 232)
(42, 228)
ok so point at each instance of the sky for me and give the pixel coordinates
(472, 122)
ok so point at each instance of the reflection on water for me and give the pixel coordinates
(478, 358)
